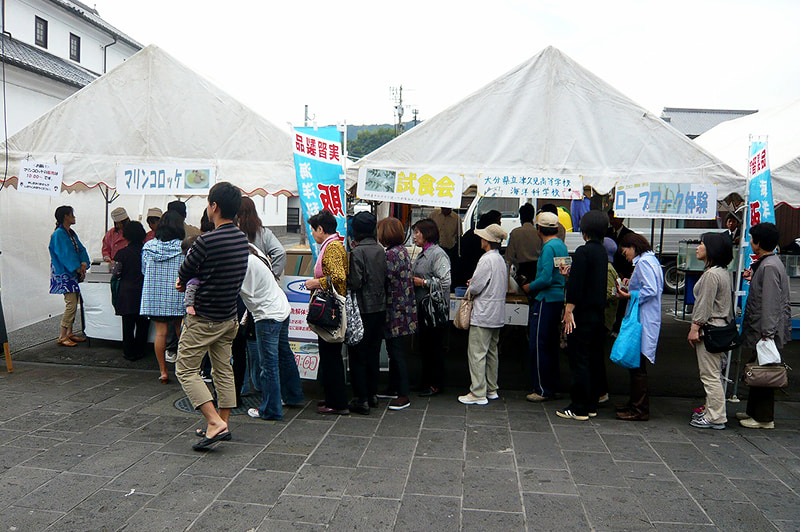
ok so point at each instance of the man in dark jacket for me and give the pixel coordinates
(367, 278)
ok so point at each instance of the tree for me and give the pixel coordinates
(369, 141)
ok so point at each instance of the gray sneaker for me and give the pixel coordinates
(704, 423)
(171, 356)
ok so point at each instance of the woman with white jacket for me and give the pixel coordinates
(488, 288)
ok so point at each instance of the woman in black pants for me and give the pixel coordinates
(431, 270)
(128, 270)
(331, 267)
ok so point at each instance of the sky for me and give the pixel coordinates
(341, 58)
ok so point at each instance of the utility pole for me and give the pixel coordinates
(397, 96)
(415, 112)
(307, 117)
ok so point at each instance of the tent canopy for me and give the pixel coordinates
(551, 116)
(730, 141)
(153, 109)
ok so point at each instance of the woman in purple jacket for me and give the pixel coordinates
(401, 308)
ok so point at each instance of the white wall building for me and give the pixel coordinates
(51, 49)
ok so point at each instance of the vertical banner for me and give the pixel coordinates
(319, 165)
(760, 207)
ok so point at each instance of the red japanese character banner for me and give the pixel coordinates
(417, 187)
(318, 162)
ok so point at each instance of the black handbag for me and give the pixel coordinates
(433, 308)
(721, 339)
(323, 309)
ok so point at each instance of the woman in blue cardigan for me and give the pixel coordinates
(68, 263)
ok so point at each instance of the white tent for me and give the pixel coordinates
(551, 116)
(150, 109)
(730, 141)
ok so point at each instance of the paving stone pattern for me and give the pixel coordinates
(104, 449)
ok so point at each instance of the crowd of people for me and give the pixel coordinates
(216, 290)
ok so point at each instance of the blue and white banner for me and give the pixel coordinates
(318, 163)
(760, 208)
(681, 201)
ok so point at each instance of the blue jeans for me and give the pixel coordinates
(279, 378)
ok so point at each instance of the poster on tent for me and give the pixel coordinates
(165, 179)
(320, 176)
(684, 201)
(495, 185)
(301, 338)
(760, 208)
(416, 187)
(40, 178)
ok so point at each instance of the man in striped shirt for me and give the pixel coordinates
(219, 260)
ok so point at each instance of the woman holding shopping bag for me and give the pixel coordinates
(767, 318)
(648, 280)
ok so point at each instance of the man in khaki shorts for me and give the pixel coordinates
(219, 260)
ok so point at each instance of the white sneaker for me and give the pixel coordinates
(751, 423)
(171, 356)
(471, 399)
(253, 412)
(493, 395)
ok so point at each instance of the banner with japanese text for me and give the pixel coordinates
(165, 179)
(318, 162)
(682, 201)
(40, 178)
(526, 186)
(417, 187)
(760, 208)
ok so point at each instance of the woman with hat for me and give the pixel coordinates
(68, 263)
(487, 288)
(154, 215)
(114, 240)
(547, 301)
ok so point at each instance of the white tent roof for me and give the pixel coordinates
(153, 109)
(551, 116)
(730, 141)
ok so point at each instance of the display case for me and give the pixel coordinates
(687, 260)
(792, 263)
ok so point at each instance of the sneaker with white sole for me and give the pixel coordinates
(399, 403)
(171, 356)
(569, 414)
(603, 399)
(472, 399)
(253, 412)
(751, 423)
(493, 395)
(704, 423)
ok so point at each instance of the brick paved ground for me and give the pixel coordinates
(104, 449)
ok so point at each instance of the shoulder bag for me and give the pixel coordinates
(433, 307)
(771, 376)
(464, 311)
(721, 339)
(354, 332)
(330, 307)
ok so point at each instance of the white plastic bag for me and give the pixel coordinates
(767, 352)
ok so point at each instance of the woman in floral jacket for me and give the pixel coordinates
(401, 308)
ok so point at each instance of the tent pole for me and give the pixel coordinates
(739, 269)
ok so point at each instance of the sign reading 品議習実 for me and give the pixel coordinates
(666, 200)
(525, 186)
(417, 187)
(165, 179)
(40, 178)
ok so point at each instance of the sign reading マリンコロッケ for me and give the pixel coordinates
(417, 187)
(165, 179)
(527, 186)
(666, 200)
(40, 178)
